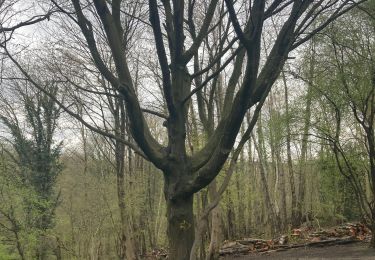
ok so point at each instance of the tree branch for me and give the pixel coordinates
(202, 32)
(162, 56)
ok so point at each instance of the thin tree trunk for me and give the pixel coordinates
(241, 193)
(19, 246)
(121, 198)
(216, 228)
(304, 146)
(263, 169)
(293, 217)
(127, 248)
(282, 191)
(371, 152)
(305, 137)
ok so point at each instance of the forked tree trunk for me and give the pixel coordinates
(180, 231)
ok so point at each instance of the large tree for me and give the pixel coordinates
(245, 70)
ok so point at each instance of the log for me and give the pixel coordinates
(247, 241)
(329, 242)
(336, 241)
(234, 250)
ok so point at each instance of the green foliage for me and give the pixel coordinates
(337, 199)
(345, 98)
(38, 157)
(12, 210)
(30, 165)
(6, 253)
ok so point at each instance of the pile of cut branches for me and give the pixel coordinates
(157, 253)
(301, 237)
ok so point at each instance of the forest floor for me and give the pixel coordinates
(359, 250)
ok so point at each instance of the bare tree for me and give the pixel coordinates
(185, 174)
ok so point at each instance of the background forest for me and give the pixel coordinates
(69, 192)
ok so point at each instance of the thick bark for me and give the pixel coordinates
(177, 175)
(180, 227)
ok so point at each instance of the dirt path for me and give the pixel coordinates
(350, 251)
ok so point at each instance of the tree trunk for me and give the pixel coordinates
(371, 144)
(282, 191)
(267, 197)
(372, 242)
(127, 245)
(127, 250)
(19, 246)
(304, 146)
(121, 205)
(180, 231)
(305, 137)
(293, 217)
(216, 228)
